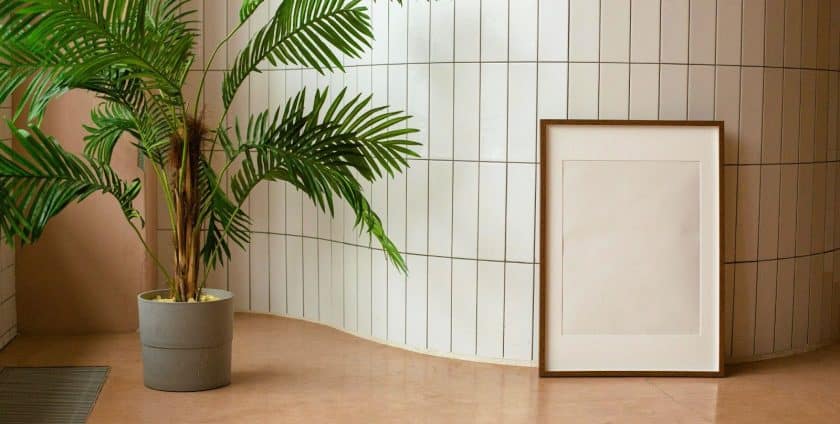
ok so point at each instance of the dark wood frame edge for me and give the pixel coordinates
(543, 372)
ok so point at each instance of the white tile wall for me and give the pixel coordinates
(8, 314)
(477, 75)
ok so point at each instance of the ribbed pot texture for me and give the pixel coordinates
(186, 346)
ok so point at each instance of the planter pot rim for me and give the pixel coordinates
(149, 297)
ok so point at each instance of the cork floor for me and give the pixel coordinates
(292, 371)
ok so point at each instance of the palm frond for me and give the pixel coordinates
(303, 32)
(218, 212)
(319, 150)
(248, 8)
(37, 186)
(52, 46)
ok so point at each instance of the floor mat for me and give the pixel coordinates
(49, 394)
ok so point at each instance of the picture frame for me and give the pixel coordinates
(591, 322)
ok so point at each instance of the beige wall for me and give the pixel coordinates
(83, 275)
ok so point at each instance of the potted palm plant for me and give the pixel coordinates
(135, 55)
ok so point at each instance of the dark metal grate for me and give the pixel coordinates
(49, 394)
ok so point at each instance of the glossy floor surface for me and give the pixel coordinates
(291, 371)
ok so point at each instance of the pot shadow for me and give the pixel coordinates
(259, 376)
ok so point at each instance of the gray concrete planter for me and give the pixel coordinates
(186, 346)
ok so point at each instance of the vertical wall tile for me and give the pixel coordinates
(467, 30)
(771, 132)
(466, 109)
(397, 33)
(364, 293)
(674, 24)
(397, 210)
(615, 30)
(752, 35)
(801, 301)
(743, 324)
(337, 293)
(490, 299)
(810, 19)
(746, 233)
(730, 193)
(418, 106)
(419, 31)
(379, 296)
(821, 117)
(551, 90)
(311, 281)
(259, 269)
(441, 109)
(239, 277)
(465, 206)
(440, 208)
(491, 211)
(440, 304)
(790, 115)
(774, 32)
(396, 305)
(442, 30)
(749, 136)
(464, 279)
(584, 24)
(417, 220)
(644, 30)
(494, 30)
(351, 293)
(493, 112)
(673, 79)
(793, 32)
(522, 112)
(815, 285)
(701, 92)
(765, 307)
(783, 324)
(417, 301)
(727, 92)
(583, 90)
(521, 195)
(614, 91)
(519, 284)
(644, 91)
(553, 25)
(729, 32)
(818, 209)
(294, 273)
(523, 30)
(379, 22)
(277, 274)
(806, 116)
(702, 23)
(728, 309)
(769, 212)
(805, 193)
(787, 211)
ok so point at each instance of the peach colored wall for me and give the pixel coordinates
(83, 275)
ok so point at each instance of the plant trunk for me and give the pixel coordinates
(185, 188)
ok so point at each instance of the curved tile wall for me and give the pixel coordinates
(476, 75)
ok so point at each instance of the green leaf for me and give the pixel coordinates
(303, 32)
(248, 8)
(38, 184)
(323, 152)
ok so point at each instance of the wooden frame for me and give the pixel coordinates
(544, 250)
